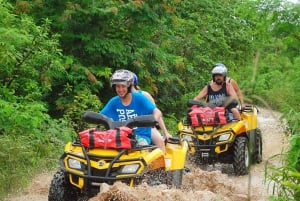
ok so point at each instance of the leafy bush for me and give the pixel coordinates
(28, 137)
(82, 102)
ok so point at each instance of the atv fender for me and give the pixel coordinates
(155, 159)
(240, 127)
(176, 155)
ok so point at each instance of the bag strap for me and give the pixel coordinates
(91, 138)
(217, 118)
(200, 120)
(118, 137)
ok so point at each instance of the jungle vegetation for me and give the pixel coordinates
(56, 58)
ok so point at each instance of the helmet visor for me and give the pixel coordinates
(123, 82)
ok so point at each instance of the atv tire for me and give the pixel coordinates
(241, 156)
(258, 147)
(61, 189)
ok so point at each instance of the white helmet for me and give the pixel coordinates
(220, 69)
(121, 77)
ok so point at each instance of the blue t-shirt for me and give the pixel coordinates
(139, 105)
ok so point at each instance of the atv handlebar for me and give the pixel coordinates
(141, 121)
(192, 102)
(109, 123)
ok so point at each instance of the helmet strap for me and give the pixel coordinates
(128, 91)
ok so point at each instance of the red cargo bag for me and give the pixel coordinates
(204, 116)
(118, 138)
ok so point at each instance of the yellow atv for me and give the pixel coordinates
(83, 169)
(237, 142)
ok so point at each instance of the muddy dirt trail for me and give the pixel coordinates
(199, 185)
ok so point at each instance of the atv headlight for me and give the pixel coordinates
(74, 164)
(224, 137)
(129, 169)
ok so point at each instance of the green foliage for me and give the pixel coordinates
(33, 67)
(83, 102)
(29, 56)
(274, 82)
(203, 33)
(59, 64)
(28, 135)
(171, 122)
(285, 180)
(273, 76)
(77, 81)
(159, 41)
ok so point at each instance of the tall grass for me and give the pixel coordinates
(285, 179)
(22, 157)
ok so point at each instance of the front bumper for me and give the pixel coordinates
(208, 142)
(88, 169)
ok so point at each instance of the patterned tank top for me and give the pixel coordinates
(218, 98)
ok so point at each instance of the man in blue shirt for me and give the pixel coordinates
(127, 105)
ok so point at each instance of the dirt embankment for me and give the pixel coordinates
(198, 184)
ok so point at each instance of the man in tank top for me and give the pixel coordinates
(220, 93)
(234, 84)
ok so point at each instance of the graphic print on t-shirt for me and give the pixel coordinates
(125, 114)
(217, 99)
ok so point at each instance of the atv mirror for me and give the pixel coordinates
(141, 121)
(97, 118)
(192, 102)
